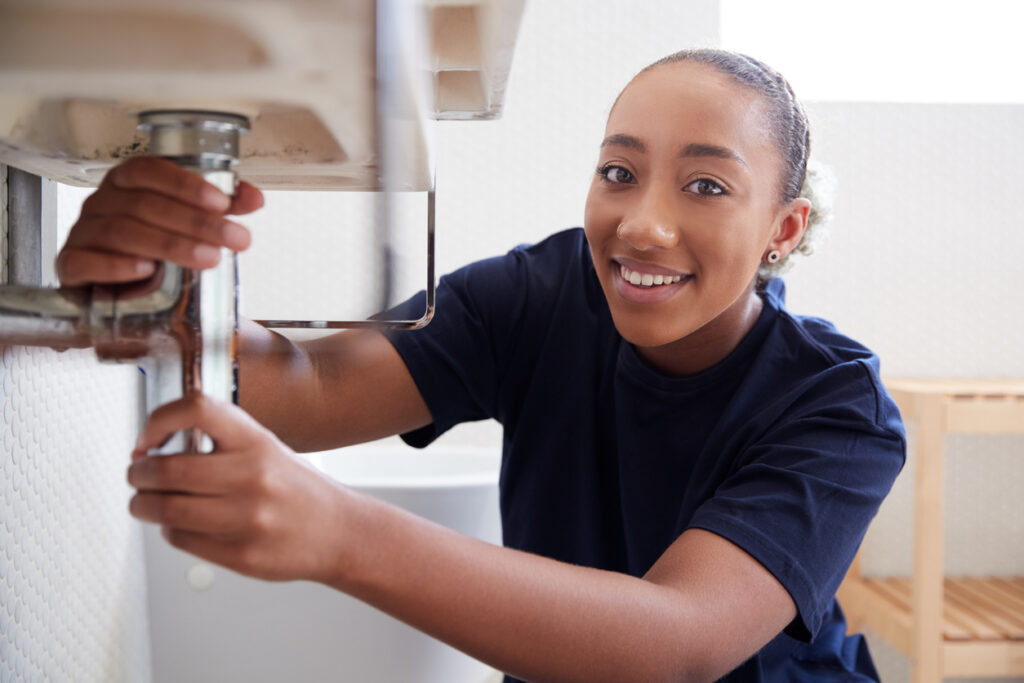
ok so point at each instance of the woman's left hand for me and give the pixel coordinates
(251, 505)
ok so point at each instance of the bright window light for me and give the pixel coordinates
(893, 51)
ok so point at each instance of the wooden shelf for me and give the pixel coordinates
(967, 406)
(949, 627)
(974, 608)
(982, 623)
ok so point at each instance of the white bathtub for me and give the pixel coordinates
(241, 629)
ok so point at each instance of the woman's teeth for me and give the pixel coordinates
(646, 279)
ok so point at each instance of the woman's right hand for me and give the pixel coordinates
(149, 209)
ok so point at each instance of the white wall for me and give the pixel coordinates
(72, 579)
(883, 51)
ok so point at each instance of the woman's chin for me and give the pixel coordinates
(651, 335)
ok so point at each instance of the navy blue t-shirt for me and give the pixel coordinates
(786, 447)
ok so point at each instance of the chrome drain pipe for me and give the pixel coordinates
(181, 325)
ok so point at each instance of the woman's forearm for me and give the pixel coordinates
(335, 391)
(274, 375)
(536, 618)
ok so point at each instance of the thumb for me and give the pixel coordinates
(230, 427)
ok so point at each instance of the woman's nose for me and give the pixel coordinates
(652, 227)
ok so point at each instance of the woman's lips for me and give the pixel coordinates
(642, 267)
(644, 293)
(636, 277)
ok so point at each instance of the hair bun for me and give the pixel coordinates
(819, 188)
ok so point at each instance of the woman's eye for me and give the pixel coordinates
(705, 187)
(615, 174)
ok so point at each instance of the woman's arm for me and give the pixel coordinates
(702, 609)
(335, 391)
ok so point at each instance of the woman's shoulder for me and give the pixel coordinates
(556, 272)
(814, 335)
(556, 252)
(824, 366)
(569, 240)
(556, 255)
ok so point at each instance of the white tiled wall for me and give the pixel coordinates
(72, 579)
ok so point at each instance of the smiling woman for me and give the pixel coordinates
(657, 398)
(703, 159)
(687, 469)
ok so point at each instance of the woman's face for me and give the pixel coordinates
(684, 205)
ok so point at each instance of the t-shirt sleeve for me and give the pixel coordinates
(800, 499)
(458, 360)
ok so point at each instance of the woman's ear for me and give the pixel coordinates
(790, 226)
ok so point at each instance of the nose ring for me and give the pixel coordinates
(618, 231)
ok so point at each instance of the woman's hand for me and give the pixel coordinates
(251, 505)
(150, 209)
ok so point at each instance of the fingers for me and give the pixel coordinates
(190, 473)
(167, 178)
(249, 506)
(230, 427)
(209, 514)
(246, 200)
(75, 266)
(157, 211)
(127, 236)
(150, 209)
(78, 263)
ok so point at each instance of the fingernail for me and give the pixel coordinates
(138, 454)
(235, 236)
(214, 199)
(206, 253)
(144, 268)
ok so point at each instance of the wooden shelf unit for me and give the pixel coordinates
(948, 627)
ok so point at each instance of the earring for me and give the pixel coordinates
(774, 255)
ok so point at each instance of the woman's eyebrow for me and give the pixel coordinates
(623, 140)
(699, 150)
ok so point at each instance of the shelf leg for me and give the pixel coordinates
(926, 592)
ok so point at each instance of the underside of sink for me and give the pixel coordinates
(74, 77)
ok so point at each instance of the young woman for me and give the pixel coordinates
(688, 468)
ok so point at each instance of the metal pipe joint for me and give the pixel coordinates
(181, 325)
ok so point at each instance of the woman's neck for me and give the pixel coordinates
(708, 345)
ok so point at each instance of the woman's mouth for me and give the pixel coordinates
(639, 279)
(646, 286)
